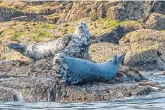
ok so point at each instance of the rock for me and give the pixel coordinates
(30, 18)
(36, 81)
(116, 13)
(103, 51)
(119, 31)
(135, 10)
(46, 11)
(115, 10)
(156, 21)
(142, 47)
(7, 13)
(158, 7)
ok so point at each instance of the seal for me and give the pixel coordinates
(79, 45)
(76, 70)
(75, 45)
(41, 50)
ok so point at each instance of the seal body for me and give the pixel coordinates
(79, 45)
(76, 70)
(41, 50)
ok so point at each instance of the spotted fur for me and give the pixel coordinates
(76, 70)
(75, 45)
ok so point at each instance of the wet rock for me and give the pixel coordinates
(36, 82)
(61, 12)
(156, 21)
(145, 49)
(6, 94)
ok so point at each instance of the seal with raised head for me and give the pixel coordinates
(79, 45)
(76, 70)
(75, 45)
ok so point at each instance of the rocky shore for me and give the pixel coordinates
(36, 81)
(133, 27)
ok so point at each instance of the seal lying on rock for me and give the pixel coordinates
(41, 50)
(75, 70)
(75, 45)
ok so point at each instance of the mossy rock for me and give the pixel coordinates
(143, 48)
(116, 13)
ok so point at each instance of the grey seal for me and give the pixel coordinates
(76, 70)
(75, 45)
(41, 50)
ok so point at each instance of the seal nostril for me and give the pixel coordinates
(57, 61)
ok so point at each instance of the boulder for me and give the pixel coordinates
(36, 82)
(7, 13)
(156, 21)
(145, 49)
(158, 7)
(116, 13)
(119, 31)
(136, 10)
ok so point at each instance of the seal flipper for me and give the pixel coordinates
(16, 46)
(120, 59)
(114, 60)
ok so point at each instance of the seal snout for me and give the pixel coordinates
(81, 25)
(58, 58)
(57, 61)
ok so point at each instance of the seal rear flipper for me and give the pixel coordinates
(114, 60)
(121, 59)
(17, 47)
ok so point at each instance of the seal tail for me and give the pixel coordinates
(114, 60)
(121, 59)
(17, 47)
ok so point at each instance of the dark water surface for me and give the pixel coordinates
(154, 101)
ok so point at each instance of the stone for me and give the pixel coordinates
(156, 21)
(142, 47)
(36, 82)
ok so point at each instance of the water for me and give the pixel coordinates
(154, 101)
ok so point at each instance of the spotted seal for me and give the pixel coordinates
(76, 70)
(75, 45)
(41, 50)
(79, 45)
